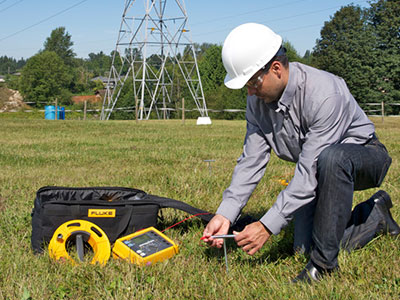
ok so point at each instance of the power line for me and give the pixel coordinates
(2, 2)
(247, 13)
(280, 19)
(4, 9)
(42, 21)
(298, 28)
(310, 13)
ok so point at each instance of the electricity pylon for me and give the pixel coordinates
(154, 56)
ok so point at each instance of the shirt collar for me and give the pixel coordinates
(288, 94)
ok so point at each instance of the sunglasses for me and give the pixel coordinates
(256, 82)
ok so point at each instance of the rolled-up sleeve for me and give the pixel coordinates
(329, 123)
(248, 172)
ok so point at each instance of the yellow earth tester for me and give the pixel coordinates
(145, 247)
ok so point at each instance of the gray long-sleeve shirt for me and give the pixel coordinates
(315, 110)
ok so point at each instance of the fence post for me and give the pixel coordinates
(383, 110)
(183, 110)
(136, 108)
(84, 109)
(56, 116)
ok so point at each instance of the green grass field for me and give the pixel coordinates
(166, 158)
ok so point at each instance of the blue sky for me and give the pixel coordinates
(94, 24)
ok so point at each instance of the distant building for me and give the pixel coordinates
(97, 97)
(104, 80)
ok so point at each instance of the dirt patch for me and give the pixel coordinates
(11, 100)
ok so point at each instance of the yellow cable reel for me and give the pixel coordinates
(81, 231)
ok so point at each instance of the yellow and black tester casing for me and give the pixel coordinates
(145, 247)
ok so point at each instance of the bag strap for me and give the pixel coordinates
(171, 203)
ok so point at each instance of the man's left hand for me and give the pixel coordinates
(252, 238)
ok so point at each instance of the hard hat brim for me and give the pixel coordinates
(237, 82)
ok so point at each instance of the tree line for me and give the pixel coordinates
(9, 65)
(361, 45)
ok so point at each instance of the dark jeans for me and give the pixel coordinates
(342, 169)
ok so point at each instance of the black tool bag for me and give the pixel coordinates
(118, 211)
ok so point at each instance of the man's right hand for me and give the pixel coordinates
(217, 226)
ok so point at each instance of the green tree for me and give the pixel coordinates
(211, 69)
(99, 63)
(345, 49)
(384, 17)
(44, 78)
(307, 58)
(218, 96)
(155, 60)
(291, 52)
(223, 98)
(9, 65)
(60, 42)
(201, 49)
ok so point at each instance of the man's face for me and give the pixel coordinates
(268, 84)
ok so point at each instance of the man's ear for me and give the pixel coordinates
(276, 68)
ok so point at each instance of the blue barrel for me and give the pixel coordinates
(61, 113)
(50, 112)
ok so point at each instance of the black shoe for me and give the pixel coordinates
(384, 203)
(311, 273)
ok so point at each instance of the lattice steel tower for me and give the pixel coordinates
(153, 47)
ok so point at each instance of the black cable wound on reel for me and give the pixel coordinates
(81, 240)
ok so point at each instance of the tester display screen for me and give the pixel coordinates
(147, 243)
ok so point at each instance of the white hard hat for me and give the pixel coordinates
(246, 50)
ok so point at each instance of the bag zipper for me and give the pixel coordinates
(49, 188)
